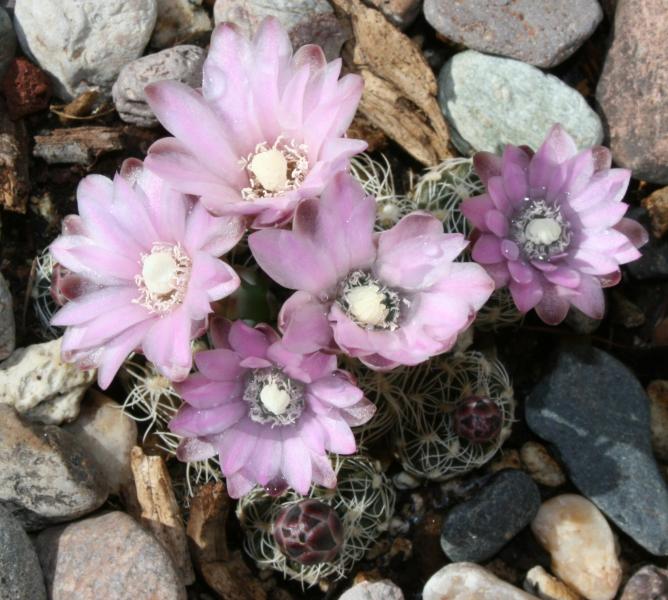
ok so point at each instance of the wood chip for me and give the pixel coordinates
(160, 513)
(399, 86)
(14, 179)
(223, 571)
(79, 145)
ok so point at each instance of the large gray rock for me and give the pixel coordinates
(597, 414)
(477, 529)
(7, 326)
(633, 89)
(307, 21)
(491, 101)
(181, 63)
(45, 475)
(108, 556)
(81, 44)
(40, 386)
(20, 573)
(7, 40)
(543, 34)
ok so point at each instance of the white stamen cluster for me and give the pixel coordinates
(370, 303)
(164, 276)
(540, 230)
(274, 170)
(273, 397)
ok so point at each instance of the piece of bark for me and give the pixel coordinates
(362, 129)
(399, 86)
(657, 207)
(226, 573)
(14, 179)
(207, 523)
(79, 145)
(160, 512)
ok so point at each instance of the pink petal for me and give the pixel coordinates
(192, 422)
(112, 323)
(296, 464)
(590, 298)
(303, 321)
(497, 193)
(564, 277)
(514, 174)
(219, 364)
(237, 444)
(526, 296)
(497, 223)
(553, 307)
(268, 456)
(633, 230)
(185, 114)
(510, 250)
(90, 306)
(117, 350)
(248, 341)
(487, 165)
(520, 271)
(340, 438)
(475, 210)
(336, 391)
(201, 392)
(487, 250)
(167, 345)
(278, 252)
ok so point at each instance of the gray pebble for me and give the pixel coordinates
(491, 101)
(181, 63)
(596, 413)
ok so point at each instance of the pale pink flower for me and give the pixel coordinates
(265, 131)
(271, 414)
(147, 268)
(551, 225)
(391, 299)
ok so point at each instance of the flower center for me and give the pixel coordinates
(273, 397)
(274, 170)
(369, 303)
(164, 278)
(540, 230)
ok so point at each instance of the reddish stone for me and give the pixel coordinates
(632, 92)
(26, 87)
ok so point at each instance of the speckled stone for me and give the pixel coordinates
(649, 583)
(477, 529)
(596, 413)
(20, 573)
(491, 101)
(632, 91)
(109, 556)
(179, 21)
(84, 45)
(180, 63)
(45, 475)
(543, 34)
(307, 21)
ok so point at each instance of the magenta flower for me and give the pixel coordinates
(266, 130)
(271, 414)
(551, 225)
(397, 298)
(145, 259)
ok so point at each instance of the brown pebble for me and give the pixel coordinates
(649, 583)
(26, 87)
(657, 207)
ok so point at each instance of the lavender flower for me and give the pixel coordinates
(145, 258)
(396, 298)
(551, 225)
(271, 414)
(266, 130)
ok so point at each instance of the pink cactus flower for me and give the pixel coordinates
(551, 225)
(265, 131)
(396, 298)
(271, 414)
(147, 268)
